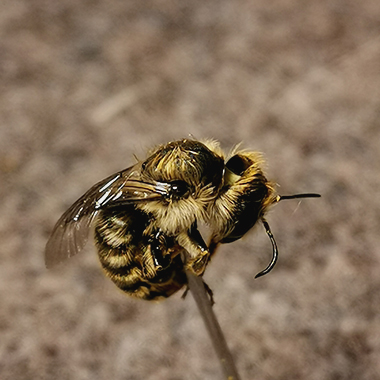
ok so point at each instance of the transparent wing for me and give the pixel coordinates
(71, 232)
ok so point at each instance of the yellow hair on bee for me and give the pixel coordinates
(146, 218)
(112, 258)
(226, 204)
(180, 215)
(214, 146)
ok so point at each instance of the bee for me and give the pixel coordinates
(145, 218)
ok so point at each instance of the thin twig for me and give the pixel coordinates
(203, 302)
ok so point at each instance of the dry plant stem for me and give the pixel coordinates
(218, 341)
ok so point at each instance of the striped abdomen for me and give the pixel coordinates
(133, 260)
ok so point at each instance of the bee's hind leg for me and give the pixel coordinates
(185, 292)
(208, 290)
(210, 293)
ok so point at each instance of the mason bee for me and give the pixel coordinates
(146, 217)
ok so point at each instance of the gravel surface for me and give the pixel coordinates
(87, 84)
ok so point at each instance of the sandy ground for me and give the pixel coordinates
(87, 84)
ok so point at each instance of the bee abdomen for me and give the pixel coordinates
(143, 266)
(131, 268)
(115, 258)
(133, 281)
(124, 272)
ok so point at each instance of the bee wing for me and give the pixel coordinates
(70, 233)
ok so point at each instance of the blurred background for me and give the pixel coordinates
(87, 84)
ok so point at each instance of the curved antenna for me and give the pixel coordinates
(275, 250)
(269, 232)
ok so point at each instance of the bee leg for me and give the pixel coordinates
(210, 293)
(158, 247)
(195, 246)
(208, 290)
(213, 246)
(185, 292)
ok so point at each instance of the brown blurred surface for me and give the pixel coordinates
(87, 84)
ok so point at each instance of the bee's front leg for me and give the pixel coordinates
(197, 249)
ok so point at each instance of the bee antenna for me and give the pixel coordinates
(275, 251)
(294, 196)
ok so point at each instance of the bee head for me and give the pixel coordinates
(248, 194)
(244, 197)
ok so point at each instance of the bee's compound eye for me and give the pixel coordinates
(237, 164)
(179, 189)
